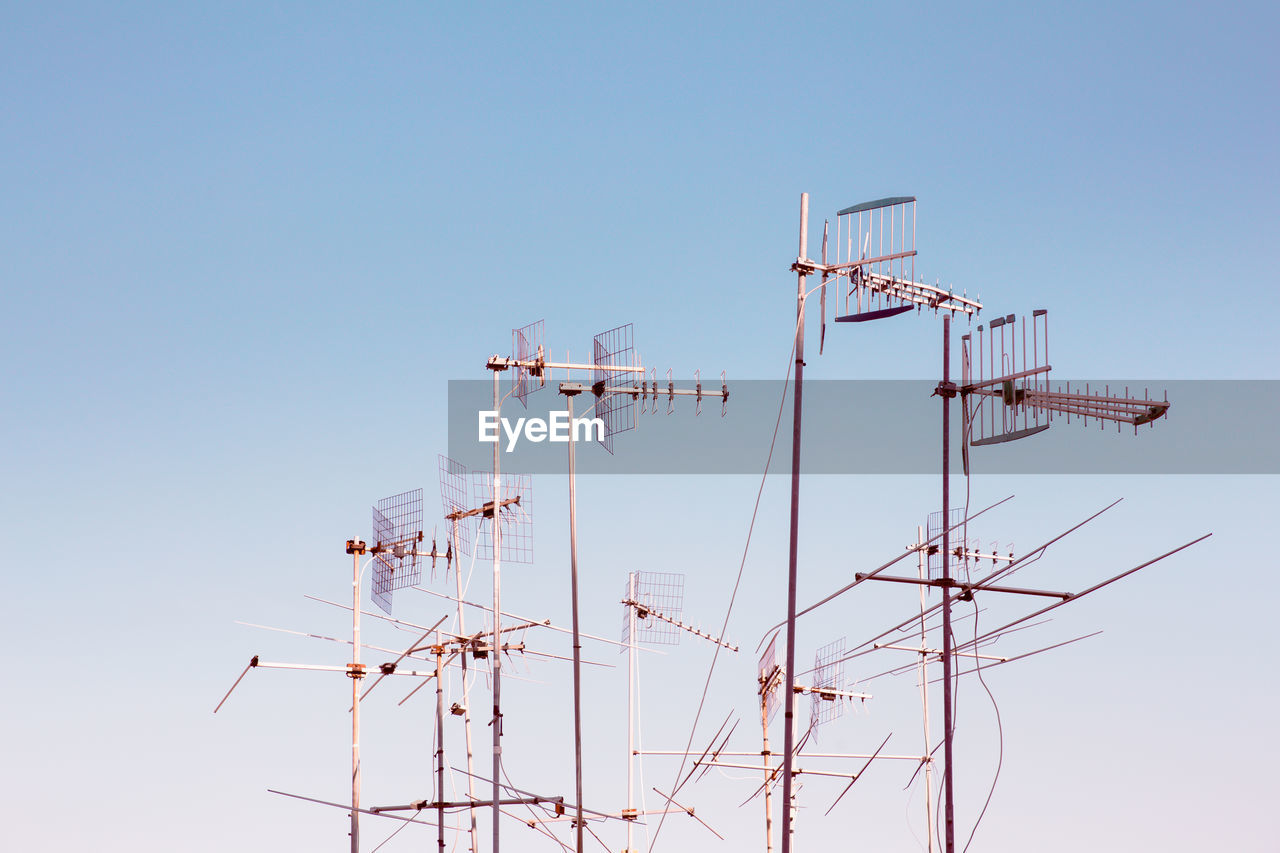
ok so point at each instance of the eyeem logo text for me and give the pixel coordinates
(557, 429)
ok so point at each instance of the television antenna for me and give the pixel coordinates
(653, 613)
(505, 501)
(828, 696)
(1006, 391)
(397, 531)
(875, 263)
(453, 500)
(614, 369)
(1021, 388)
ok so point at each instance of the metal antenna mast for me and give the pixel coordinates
(613, 368)
(397, 531)
(885, 282)
(453, 500)
(654, 610)
(1028, 406)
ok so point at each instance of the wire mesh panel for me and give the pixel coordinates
(934, 528)
(614, 349)
(397, 529)
(828, 674)
(653, 593)
(516, 519)
(768, 676)
(526, 346)
(453, 499)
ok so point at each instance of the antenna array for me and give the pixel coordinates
(453, 499)
(614, 357)
(828, 682)
(657, 593)
(1007, 395)
(515, 516)
(397, 530)
(526, 344)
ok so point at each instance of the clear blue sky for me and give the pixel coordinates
(246, 247)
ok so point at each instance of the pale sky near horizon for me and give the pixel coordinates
(248, 245)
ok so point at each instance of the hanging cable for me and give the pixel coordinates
(677, 785)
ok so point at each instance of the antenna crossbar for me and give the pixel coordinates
(966, 590)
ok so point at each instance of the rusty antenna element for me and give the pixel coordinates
(653, 614)
(1006, 391)
(875, 262)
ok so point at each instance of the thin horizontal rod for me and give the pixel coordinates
(1031, 653)
(465, 804)
(861, 262)
(400, 623)
(567, 804)
(795, 771)
(981, 386)
(952, 583)
(938, 652)
(1033, 553)
(1091, 589)
(347, 807)
(500, 363)
(821, 691)
(892, 562)
(545, 623)
(802, 755)
(652, 390)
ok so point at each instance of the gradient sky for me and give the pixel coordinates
(246, 246)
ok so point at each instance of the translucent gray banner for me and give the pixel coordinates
(871, 427)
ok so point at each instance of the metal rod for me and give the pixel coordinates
(252, 663)
(768, 769)
(766, 754)
(355, 701)
(466, 699)
(949, 799)
(789, 699)
(631, 676)
(439, 745)
(965, 587)
(923, 672)
(577, 639)
(496, 665)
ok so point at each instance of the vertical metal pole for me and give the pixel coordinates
(949, 800)
(768, 769)
(496, 539)
(439, 746)
(577, 639)
(789, 699)
(631, 704)
(923, 671)
(466, 698)
(355, 702)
